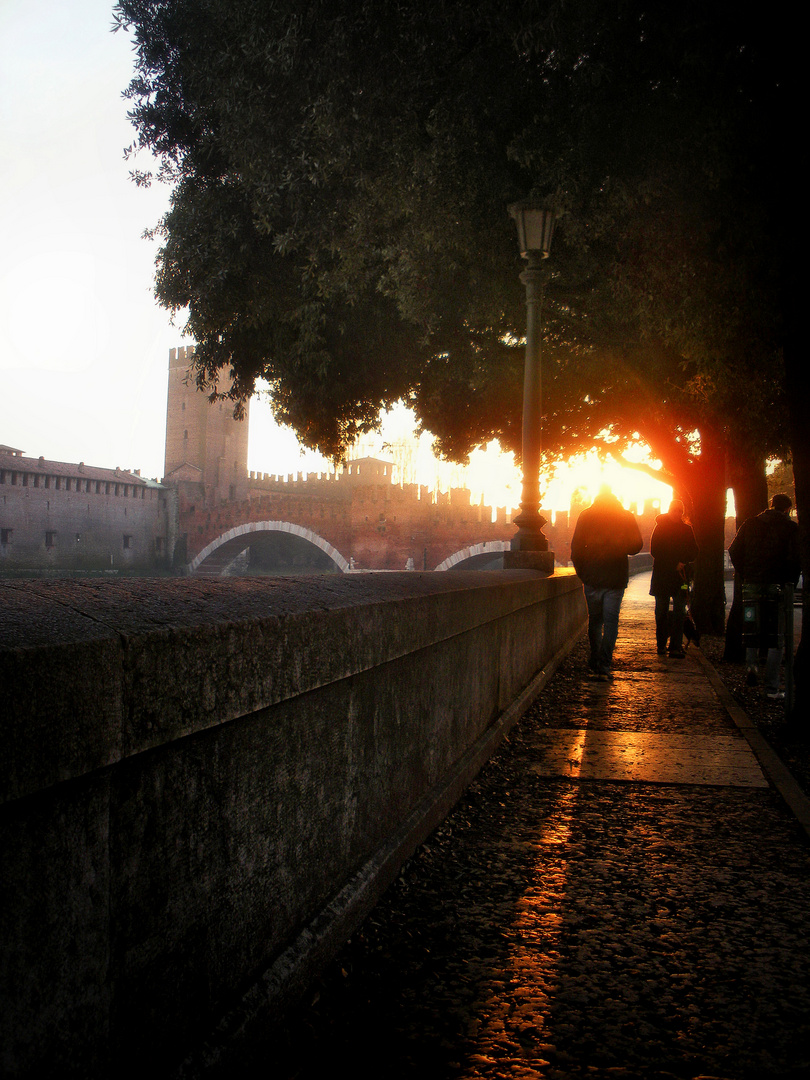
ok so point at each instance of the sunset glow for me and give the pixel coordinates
(491, 473)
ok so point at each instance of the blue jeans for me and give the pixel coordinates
(603, 625)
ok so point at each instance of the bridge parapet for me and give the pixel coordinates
(208, 780)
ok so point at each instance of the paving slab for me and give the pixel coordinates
(649, 757)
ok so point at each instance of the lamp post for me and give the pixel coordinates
(529, 549)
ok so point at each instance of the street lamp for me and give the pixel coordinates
(535, 225)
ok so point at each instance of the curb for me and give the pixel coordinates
(772, 765)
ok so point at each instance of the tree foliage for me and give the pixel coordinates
(340, 175)
(338, 226)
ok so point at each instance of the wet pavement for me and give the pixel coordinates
(623, 892)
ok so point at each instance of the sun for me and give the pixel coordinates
(494, 475)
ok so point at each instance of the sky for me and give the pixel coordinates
(83, 344)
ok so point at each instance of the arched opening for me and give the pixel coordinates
(488, 556)
(272, 554)
(268, 549)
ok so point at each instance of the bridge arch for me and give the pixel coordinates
(215, 556)
(491, 547)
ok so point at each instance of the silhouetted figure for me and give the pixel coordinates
(673, 547)
(604, 536)
(765, 553)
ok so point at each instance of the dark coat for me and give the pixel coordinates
(766, 549)
(672, 542)
(604, 536)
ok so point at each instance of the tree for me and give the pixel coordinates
(314, 184)
(338, 221)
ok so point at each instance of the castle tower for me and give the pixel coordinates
(203, 441)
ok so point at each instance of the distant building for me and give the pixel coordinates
(60, 516)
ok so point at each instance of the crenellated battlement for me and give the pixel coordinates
(181, 356)
(326, 484)
(357, 478)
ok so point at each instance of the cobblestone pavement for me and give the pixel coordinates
(621, 893)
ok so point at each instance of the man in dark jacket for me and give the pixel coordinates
(765, 552)
(673, 547)
(604, 536)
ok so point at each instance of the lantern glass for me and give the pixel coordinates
(535, 225)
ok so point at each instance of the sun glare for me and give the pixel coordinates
(585, 474)
(491, 476)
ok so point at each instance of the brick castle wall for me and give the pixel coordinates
(59, 516)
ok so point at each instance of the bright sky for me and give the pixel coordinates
(83, 344)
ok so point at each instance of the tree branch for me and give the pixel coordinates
(649, 470)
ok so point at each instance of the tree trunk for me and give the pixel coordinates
(746, 475)
(790, 241)
(708, 493)
(796, 385)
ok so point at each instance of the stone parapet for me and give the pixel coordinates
(207, 784)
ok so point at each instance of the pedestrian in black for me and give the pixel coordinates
(605, 534)
(765, 552)
(673, 547)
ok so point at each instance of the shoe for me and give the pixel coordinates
(676, 654)
(776, 695)
(662, 651)
(751, 677)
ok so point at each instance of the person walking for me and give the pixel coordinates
(605, 534)
(765, 552)
(673, 547)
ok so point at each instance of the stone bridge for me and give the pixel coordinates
(354, 520)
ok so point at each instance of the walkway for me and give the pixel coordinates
(622, 893)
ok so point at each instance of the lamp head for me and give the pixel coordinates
(535, 226)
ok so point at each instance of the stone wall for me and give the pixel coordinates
(76, 517)
(379, 526)
(206, 785)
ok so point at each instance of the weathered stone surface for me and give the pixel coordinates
(226, 758)
(566, 923)
(164, 658)
(61, 688)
